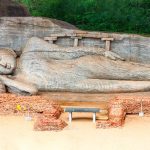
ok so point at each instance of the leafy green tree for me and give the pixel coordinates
(132, 16)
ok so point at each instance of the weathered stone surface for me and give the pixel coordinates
(16, 31)
(7, 61)
(49, 67)
(2, 88)
(65, 65)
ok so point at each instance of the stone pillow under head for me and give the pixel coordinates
(7, 61)
(2, 88)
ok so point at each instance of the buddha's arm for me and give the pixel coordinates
(19, 86)
(52, 51)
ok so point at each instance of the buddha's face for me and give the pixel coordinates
(7, 61)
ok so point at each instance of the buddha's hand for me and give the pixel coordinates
(113, 56)
(7, 61)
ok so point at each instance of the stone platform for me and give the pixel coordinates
(117, 105)
(88, 97)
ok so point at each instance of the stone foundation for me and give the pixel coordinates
(49, 120)
(120, 106)
(48, 112)
(133, 104)
(44, 123)
(13, 104)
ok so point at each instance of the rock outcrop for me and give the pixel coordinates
(67, 59)
(11, 8)
(15, 32)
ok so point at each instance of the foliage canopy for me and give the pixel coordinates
(132, 16)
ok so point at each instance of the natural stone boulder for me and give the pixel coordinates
(11, 8)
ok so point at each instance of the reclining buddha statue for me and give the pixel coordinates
(48, 67)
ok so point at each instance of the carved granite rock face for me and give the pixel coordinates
(49, 67)
(16, 31)
(2, 88)
(70, 60)
(7, 61)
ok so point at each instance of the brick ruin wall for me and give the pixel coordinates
(120, 106)
(45, 112)
(48, 112)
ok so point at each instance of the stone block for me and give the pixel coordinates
(49, 124)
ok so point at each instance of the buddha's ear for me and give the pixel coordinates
(12, 52)
(9, 50)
